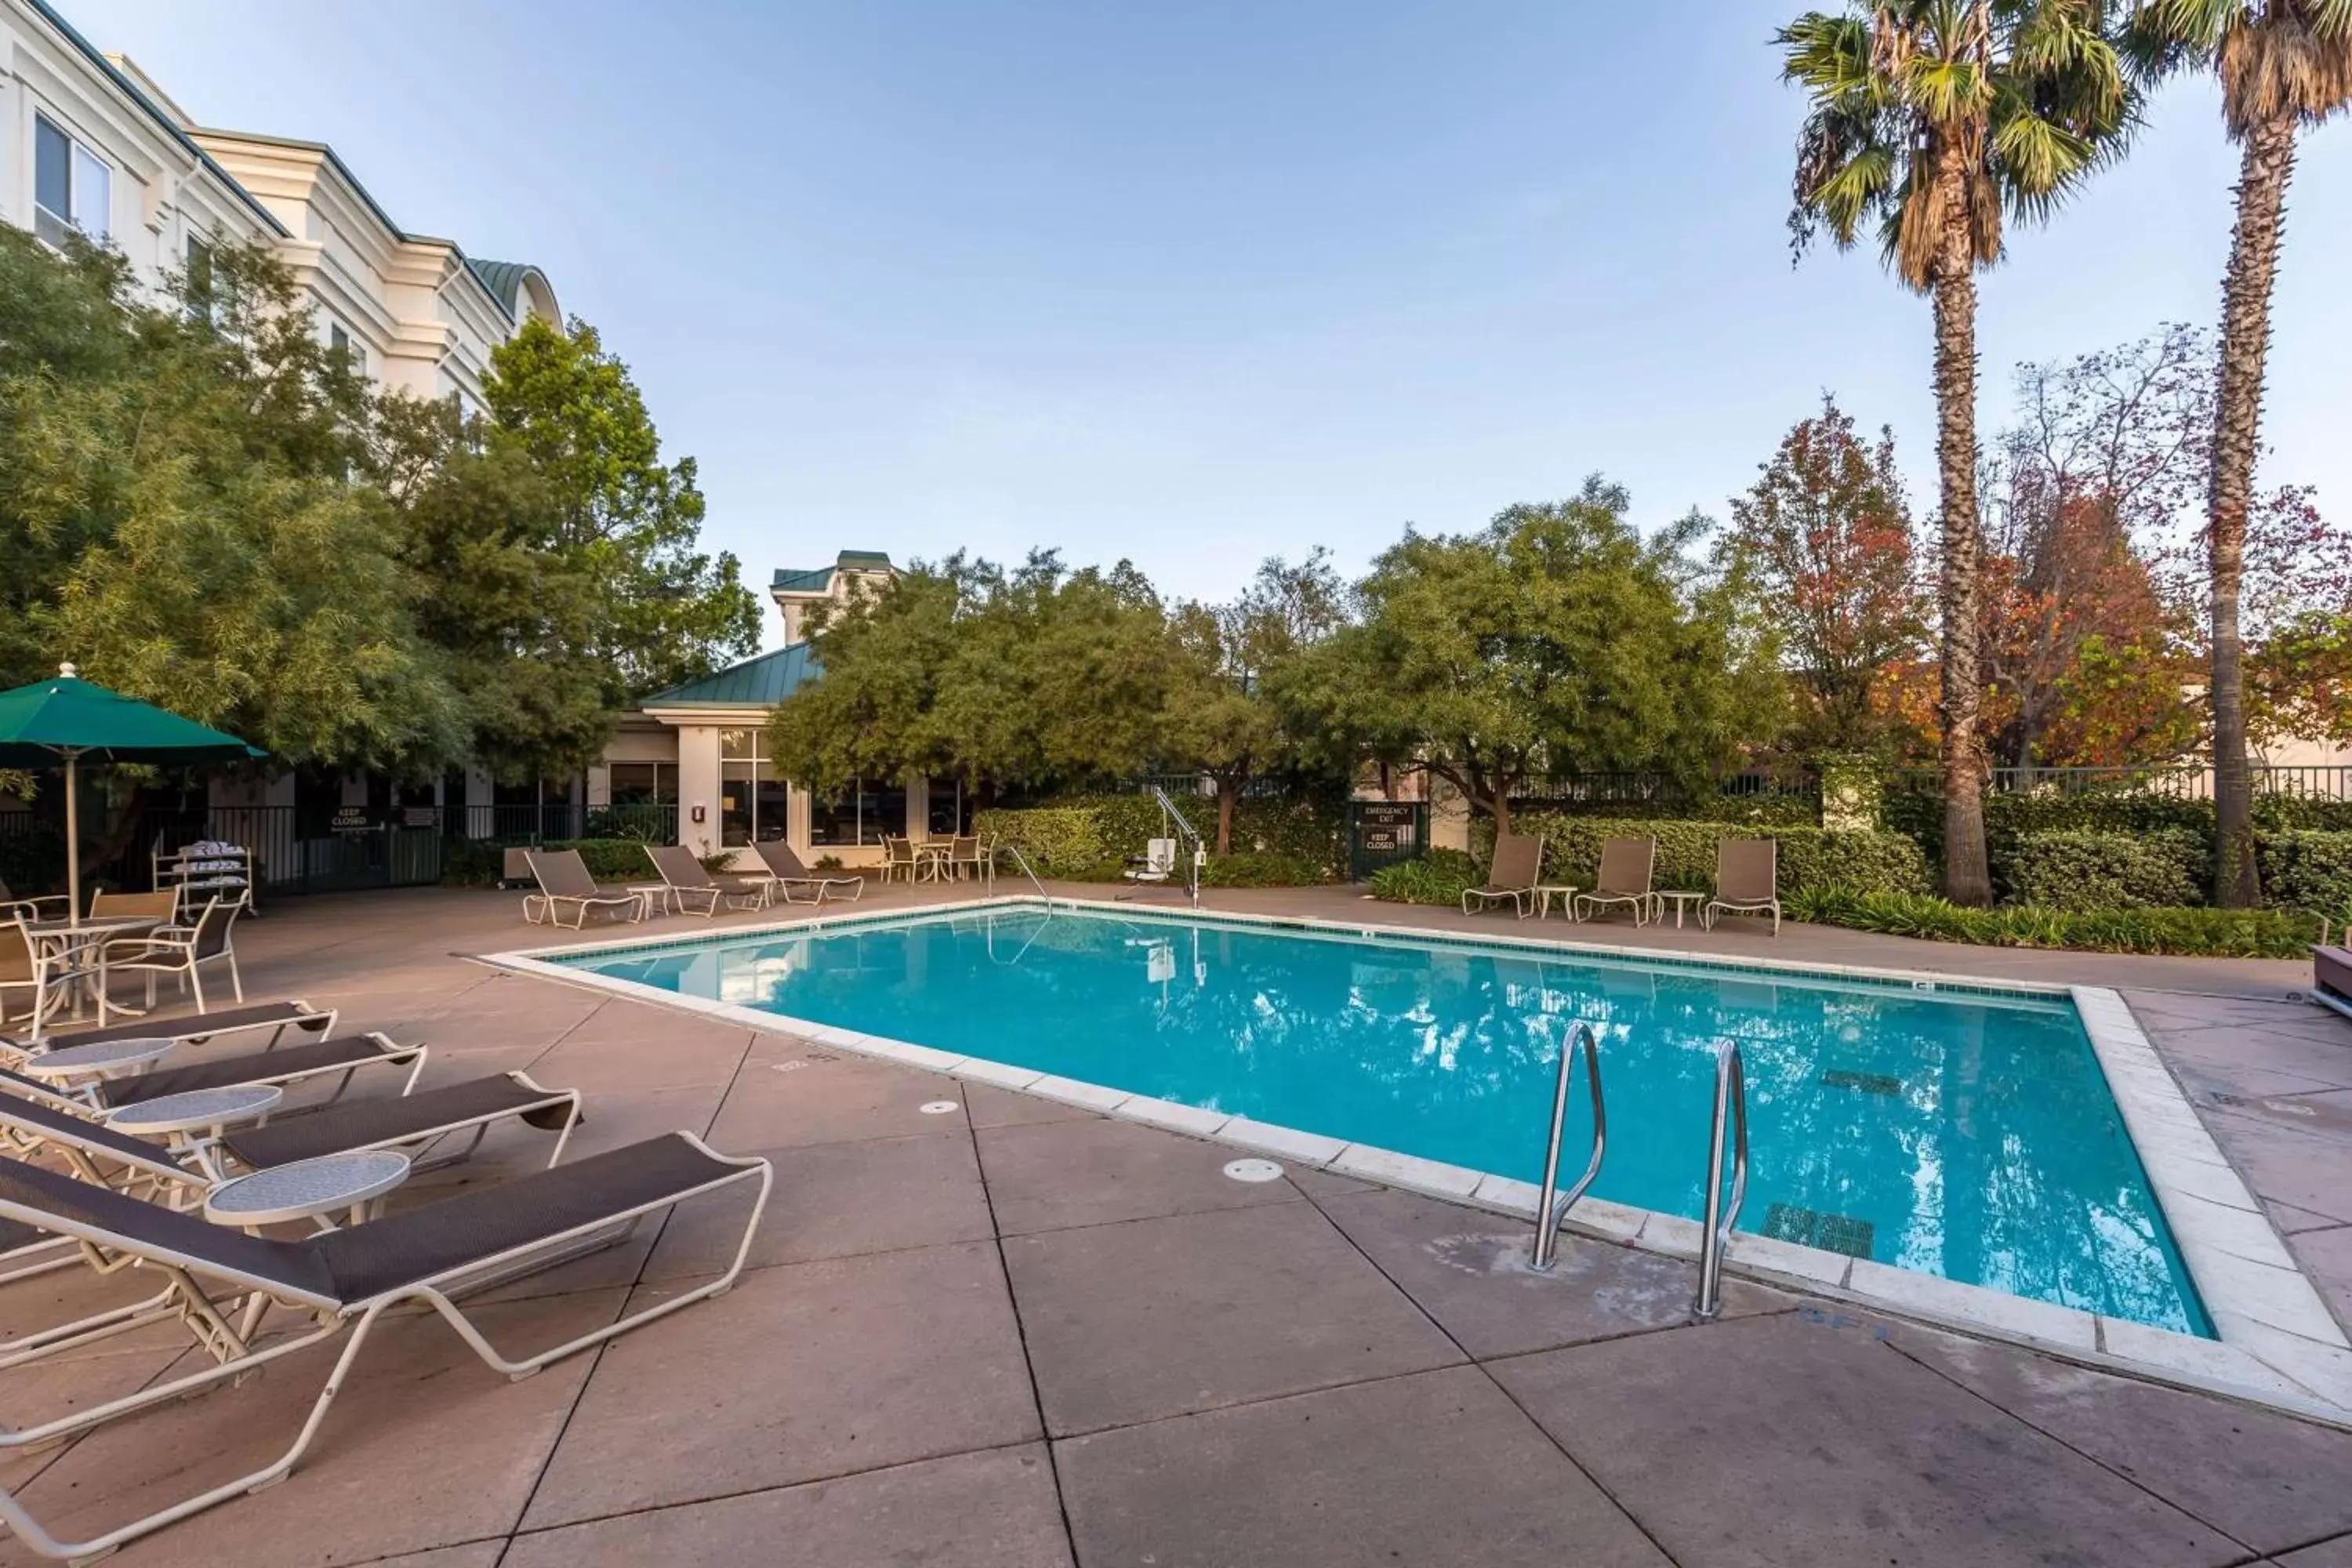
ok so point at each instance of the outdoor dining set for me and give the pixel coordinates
(1747, 882)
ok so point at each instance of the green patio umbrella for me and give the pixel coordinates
(67, 718)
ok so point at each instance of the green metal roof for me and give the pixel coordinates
(819, 579)
(503, 280)
(760, 682)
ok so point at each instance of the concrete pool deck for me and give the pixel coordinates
(1024, 1334)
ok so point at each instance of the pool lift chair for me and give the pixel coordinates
(1158, 862)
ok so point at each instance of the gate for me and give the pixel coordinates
(1384, 832)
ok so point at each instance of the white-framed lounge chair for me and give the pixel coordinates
(564, 884)
(347, 1280)
(1747, 880)
(205, 1027)
(691, 885)
(415, 1123)
(1512, 876)
(785, 870)
(345, 1055)
(1158, 862)
(1627, 866)
(182, 951)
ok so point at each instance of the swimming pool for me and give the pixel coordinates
(1962, 1132)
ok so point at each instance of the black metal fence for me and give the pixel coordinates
(2316, 781)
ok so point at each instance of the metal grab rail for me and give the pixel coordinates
(1730, 1111)
(994, 849)
(1551, 1211)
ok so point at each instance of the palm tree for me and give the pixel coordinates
(1940, 118)
(2285, 65)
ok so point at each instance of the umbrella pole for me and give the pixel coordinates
(73, 846)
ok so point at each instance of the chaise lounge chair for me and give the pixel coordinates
(352, 1277)
(51, 1073)
(690, 883)
(1747, 880)
(564, 884)
(274, 1017)
(786, 872)
(1512, 876)
(1627, 866)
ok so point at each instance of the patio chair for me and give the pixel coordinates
(1747, 880)
(564, 883)
(690, 883)
(274, 1017)
(1627, 866)
(965, 856)
(414, 1123)
(785, 870)
(38, 907)
(1158, 862)
(36, 967)
(164, 904)
(294, 1064)
(349, 1279)
(898, 858)
(1512, 876)
(182, 951)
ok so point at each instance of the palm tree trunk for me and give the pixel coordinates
(2268, 161)
(1967, 880)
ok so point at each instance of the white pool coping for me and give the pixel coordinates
(2279, 1344)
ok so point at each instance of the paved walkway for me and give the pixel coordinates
(1020, 1335)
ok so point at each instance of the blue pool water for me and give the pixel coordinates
(1968, 1134)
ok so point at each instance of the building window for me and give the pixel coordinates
(751, 796)
(200, 280)
(71, 185)
(353, 352)
(865, 813)
(644, 783)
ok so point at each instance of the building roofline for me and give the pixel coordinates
(367, 197)
(47, 13)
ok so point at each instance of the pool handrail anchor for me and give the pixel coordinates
(1731, 1115)
(1552, 1210)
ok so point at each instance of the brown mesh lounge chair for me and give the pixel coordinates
(1626, 867)
(1518, 866)
(564, 884)
(183, 950)
(295, 1064)
(274, 1017)
(691, 885)
(786, 869)
(349, 1279)
(1747, 880)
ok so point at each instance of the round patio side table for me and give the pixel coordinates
(196, 1120)
(349, 1184)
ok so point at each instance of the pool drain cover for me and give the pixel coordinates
(1811, 1227)
(1254, 1171)
(940, 1107)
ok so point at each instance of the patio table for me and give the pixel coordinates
(195, 1122)
(353, 1184)
(931, 861)
(72, 941)
(105, 1058)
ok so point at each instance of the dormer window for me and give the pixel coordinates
(72, 185)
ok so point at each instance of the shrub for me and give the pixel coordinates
(1088, 838)
(2231, 933)
(2083, 869)
(1438, 877)
(2310, 871)
(1265, 870)
(1809, 856)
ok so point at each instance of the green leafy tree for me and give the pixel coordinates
(1937, 121)
(1827, 532)
(1224, 714)
(2285, 67)
(671, 611)
(1556, 640)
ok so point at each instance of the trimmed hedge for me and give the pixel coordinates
(1731, 810)
(2223, 934)
(2309, 871)
(2082, 868)
(1088, 838)
(1809, 856)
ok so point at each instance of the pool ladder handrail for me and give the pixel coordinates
(1551, 1210)
(1731, 1116)
(998, 847)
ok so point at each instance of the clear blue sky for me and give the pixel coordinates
(1197, 283)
